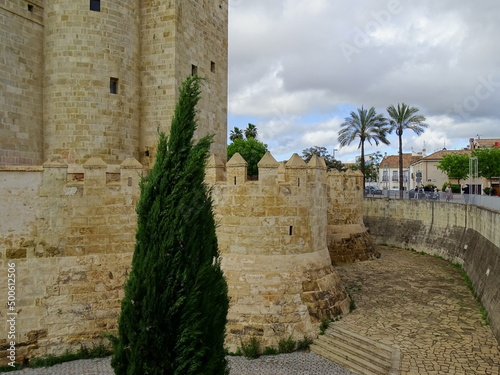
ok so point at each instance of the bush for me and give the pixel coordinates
(286, 345)
(304, 344)
(251, 348)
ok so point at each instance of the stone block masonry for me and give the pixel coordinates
(71, 232)
(79, 82)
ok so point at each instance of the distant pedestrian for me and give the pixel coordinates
(449, 193)
(466, 193)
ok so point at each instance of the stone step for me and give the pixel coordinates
(357, 353)
(354, 348)
(345, 361)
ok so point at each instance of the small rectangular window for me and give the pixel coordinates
(30, 7)
(113, 85)
(212, 67)
(194, 70)
(95, 5)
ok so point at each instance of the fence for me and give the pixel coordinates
(492, 203)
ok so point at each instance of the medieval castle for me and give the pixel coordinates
(85, 88)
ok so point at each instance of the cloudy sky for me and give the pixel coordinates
(297, 68)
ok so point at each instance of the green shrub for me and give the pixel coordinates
(286, 345)
(323, 326)
(270, 351)
(304, 344)
(251, 348)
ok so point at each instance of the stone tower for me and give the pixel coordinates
(100, 78)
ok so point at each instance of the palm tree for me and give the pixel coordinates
(367, 126)
(404, 118)
(251, 131)
(235, 134)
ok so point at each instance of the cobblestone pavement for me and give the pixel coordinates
(421, 305)
(285, 364)
(417, 303)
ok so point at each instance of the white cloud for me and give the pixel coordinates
(290, 75)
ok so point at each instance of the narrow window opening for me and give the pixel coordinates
(113, 85)
(146, 153)
(291, 230)
(235, 180)
(129, 181)
(212, 67)
(298, 182)
(194, 70)
(30, 7)
(95, 5)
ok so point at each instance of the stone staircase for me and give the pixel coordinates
(357, 353)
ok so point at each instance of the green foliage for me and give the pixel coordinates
(251, 150)
(352, 304)
(455, 188)
(323, 326)
(488, 162)
(251, 348)
(366, 126)
(330, 161)
(174, 311)
(251, 131)
(401, 118)
(470, 286)
(286, 345)
(99, 351)
(270, 351)
(304, 343)
(456, 166)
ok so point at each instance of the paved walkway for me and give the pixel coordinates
(421, 305)
(417, 303)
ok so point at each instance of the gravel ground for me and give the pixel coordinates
(299, 363)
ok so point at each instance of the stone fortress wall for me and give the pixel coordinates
(71, 235)
(68, 225)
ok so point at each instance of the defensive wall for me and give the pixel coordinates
(69, 231)
(464, 234)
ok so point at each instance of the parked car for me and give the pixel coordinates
(372, 190)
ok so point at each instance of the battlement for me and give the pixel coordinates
(90, 178)
(295, 172)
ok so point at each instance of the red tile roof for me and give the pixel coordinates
(392, 161)
(438, 155)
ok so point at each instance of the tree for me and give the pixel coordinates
(174, 311)
(404, 118)
(456, 166)
(237, 133)
(251, 131)
(330, 161)
(368, 127)
(488, 162)
(251, 150)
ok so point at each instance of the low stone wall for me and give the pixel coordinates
(463, 234)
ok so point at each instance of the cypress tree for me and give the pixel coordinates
(173, 315)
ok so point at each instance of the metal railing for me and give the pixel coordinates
(486, 201)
